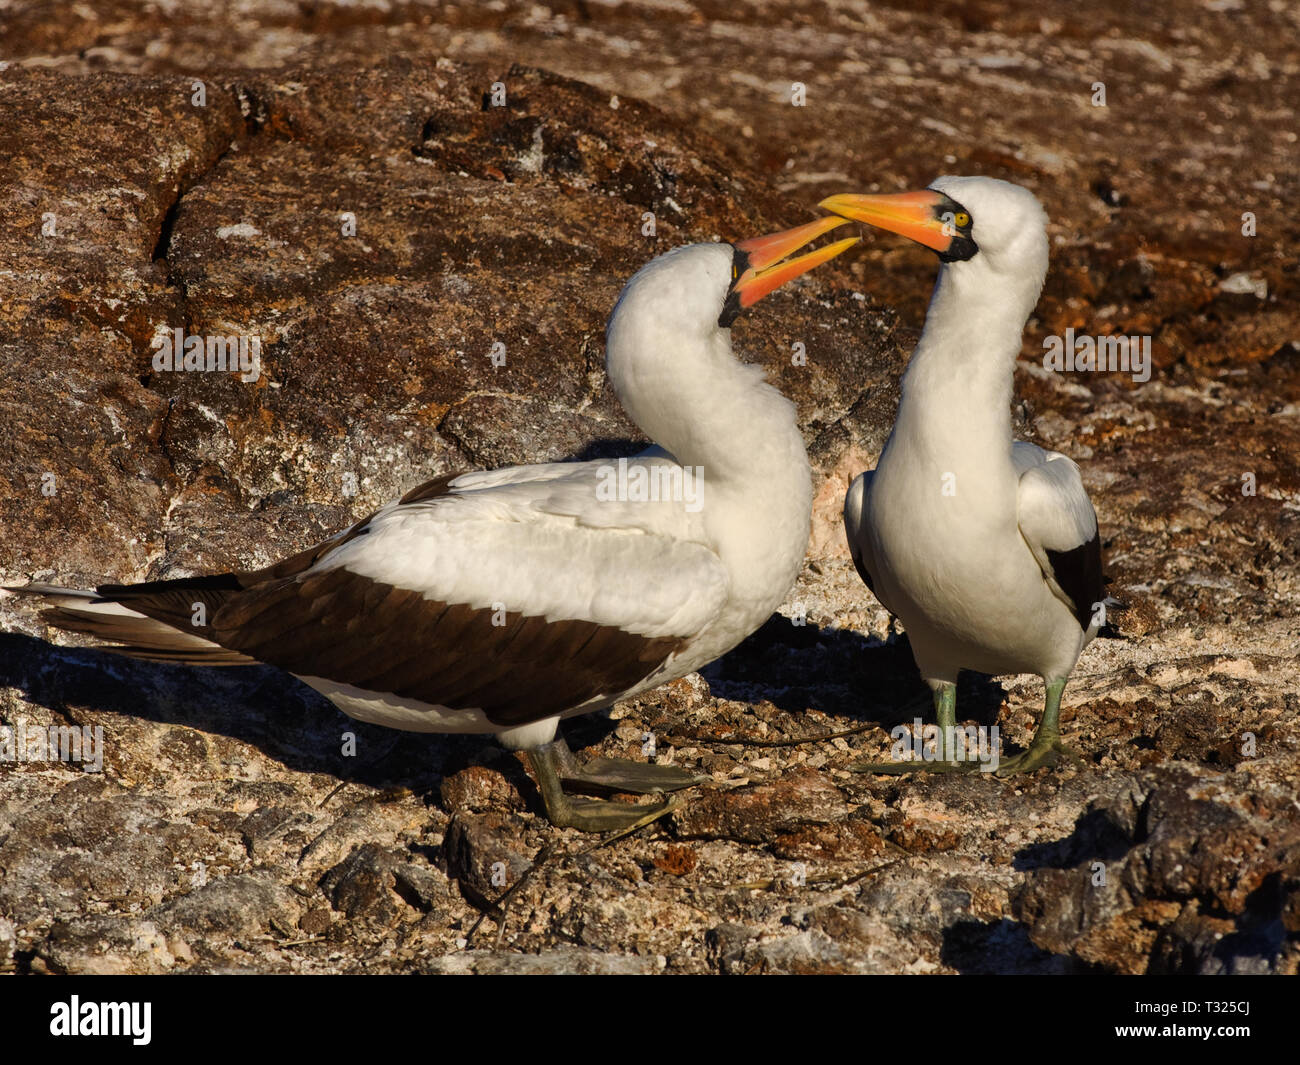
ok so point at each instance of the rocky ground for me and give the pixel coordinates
(183, 165)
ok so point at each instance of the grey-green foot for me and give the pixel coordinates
(636, 778)
(947, 737)
(1046, 750)
(554, 764)
(1042, 754)
(599, 815)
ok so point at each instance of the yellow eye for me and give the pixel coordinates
(961, 219)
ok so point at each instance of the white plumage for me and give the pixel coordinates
(647, 568)
(986, 548)
(503, 601)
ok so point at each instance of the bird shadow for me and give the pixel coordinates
(796, 667)
(842, 673)
(1096, 837)
(1003, 948)
(258, 705)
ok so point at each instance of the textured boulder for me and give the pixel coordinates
(390, 199)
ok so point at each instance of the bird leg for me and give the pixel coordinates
(1046, 748)
(945, 715)
(553, 764)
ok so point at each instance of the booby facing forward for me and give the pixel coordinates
(985, 547)
(502, 601)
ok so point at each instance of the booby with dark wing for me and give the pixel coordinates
(503, 601)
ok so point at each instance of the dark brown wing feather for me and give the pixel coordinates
(1078, 572)
(446, 654)
(343, 627)
(142, 638)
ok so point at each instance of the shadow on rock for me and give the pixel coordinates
(1097, 836)
(800, 667)
(1002, 948)
(258, 705)
(1160, 876)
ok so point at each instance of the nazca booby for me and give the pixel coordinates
(503, 601)
(985, 547)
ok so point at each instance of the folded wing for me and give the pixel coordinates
(1059, 525)
(521, 597)
(855, 527)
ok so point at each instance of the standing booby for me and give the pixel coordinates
(986, 548)
(503, 601)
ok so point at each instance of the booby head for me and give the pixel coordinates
(761, 265)
(668, 350)
(706, 287)
(964, 219)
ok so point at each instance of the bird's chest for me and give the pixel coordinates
(760, 536)
(762, 544)
(946, 532)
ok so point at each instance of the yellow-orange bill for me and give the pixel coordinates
(769, 268)
(753, 289)
(914, 215)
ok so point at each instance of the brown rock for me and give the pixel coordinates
(362, 885)
(478, 789)
(760, 813)
(677, 860)
(315, 922)
(231, 906)
(483, 855)
(1191, 885)
(841, 841)
(517, 224)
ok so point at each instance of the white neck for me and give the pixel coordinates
(690, 395)
(957, 388)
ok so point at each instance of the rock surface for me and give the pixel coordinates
(240, 823)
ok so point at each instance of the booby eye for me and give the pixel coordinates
(961, 219)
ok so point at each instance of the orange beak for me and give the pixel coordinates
(768, 268)
(927, 217)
